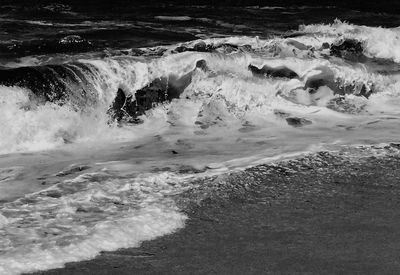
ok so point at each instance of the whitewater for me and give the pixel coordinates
(94, 148)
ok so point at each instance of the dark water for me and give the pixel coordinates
(62, 28)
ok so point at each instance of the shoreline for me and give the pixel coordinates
(324, 213)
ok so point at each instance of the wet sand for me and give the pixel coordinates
(323, 214)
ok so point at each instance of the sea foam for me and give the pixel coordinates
(76, 219)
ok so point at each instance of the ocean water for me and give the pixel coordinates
(106, 115)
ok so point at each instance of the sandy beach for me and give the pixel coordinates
(321, 214)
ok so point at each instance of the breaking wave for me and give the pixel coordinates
(378, 42)
(341, 68)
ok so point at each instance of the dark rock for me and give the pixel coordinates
(298, 121)
(52, 194)
(80, 209)
(73, 170)
(203, 47)
(350, 49)
(226, 48)
(325, 45)
(327, 78)
(202, 64)
(281, 114)
(116, 110)
(340, 104)
(200, 47)
(125, 109)
(281, 71)
(246, 48)
(181, 49)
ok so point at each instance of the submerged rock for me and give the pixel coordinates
(281, 114)
(203, 47)
(73, 170)
(164, 89)
(350, 49)
(327, 78)
(298, 121)
(200, 47)
(266, 71)
(343, 105)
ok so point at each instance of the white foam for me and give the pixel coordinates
(91, 213)
(380, 42)
(26, 126)
(126, 232)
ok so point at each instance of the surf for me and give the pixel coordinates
(94, 148)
